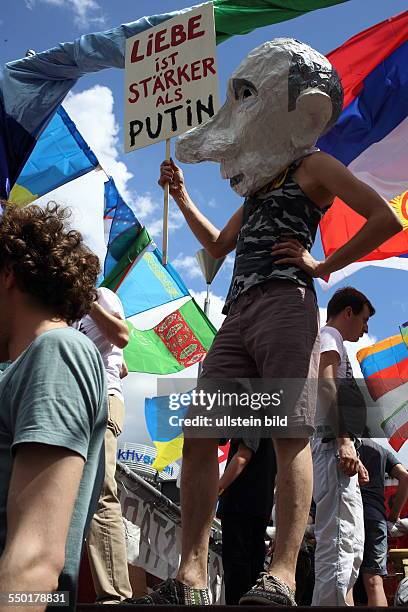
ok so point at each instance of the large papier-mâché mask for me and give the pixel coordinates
(280, 100)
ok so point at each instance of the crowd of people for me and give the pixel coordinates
(62, 409)
(61, 402)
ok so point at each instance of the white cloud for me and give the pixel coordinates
(85, 12)
(84, 197)
(144, 206)
(216, 305)
(92, 112)
(91, 109)
(154, 224)
(188, 265)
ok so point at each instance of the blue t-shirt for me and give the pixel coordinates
(378, 462)
(55, 393)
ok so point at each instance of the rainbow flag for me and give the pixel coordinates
(384, 365)
(385, 368)
(179, 341)
(371, 134)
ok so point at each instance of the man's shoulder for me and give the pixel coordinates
(331, 331)
(67, 344)
(374, 448)
(331, 336)
(372, 444)
(64, 337)
(316, 161)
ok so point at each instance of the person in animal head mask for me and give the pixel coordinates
(280, 100)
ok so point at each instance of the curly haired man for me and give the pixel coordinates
(52, 403)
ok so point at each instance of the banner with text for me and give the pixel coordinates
(171, 82)
(153, 532)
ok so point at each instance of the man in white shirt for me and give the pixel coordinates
(340, 417)
(106, 327)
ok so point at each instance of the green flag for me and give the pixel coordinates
(127, 260)
(180, 340)
(234, 17)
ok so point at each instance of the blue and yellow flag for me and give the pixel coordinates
(60, 155)
(167, 438)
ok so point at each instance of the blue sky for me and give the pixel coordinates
(40, 24)
(97, 107)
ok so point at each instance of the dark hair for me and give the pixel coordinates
(348, 296)
(50, 262)
(304, 75)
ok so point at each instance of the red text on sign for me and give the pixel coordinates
(166, 38)
(173, 77)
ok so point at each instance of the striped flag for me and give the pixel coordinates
(385, 368)
(371, 134)
(395, 426)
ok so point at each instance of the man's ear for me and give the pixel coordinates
(348, 311)
(312, 114)
(7, 277)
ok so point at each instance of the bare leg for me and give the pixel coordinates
(294, 496)
(374, 587)
(350, 598)
(199, 489)
(137, 577)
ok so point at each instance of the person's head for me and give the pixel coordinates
(280, 100)
(44, 266)
(349, 311)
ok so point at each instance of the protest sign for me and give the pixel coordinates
(171, 80)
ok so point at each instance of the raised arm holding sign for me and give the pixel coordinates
(171, 83)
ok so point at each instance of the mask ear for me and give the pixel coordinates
(312, 114)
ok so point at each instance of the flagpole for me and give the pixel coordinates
(166, 210)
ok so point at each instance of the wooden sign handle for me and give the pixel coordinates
(166, 211)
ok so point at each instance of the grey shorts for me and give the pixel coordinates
(272, 332)
(375, 548)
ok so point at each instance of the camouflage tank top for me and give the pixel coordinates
(278, 209)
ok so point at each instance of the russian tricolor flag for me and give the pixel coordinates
(371, 135)
(385, 368)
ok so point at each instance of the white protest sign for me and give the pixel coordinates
(171, 82)
(153, 533)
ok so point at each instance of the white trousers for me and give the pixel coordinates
(339, 527)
